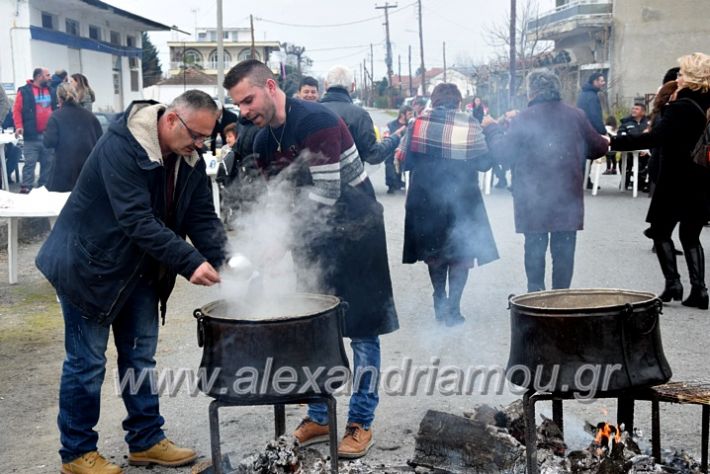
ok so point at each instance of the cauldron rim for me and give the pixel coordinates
(518, 301)
(204, 311)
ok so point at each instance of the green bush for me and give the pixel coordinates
(381, 102)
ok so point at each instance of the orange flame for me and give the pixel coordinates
(605, 431)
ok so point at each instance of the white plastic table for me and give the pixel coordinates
(48, 205)
(212, 165)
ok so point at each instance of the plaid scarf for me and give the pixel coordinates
(444, 133)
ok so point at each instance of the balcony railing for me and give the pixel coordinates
(570, 11)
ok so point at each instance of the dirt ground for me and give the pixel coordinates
(611, 253)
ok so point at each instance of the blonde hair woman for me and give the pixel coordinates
(682, 194)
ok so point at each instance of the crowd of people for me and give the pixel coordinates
(52, 114)
(120, 242)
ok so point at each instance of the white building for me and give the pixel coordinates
(203, 52)
(80, 36)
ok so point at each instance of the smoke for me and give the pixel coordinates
(276, 226)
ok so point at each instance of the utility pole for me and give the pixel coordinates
(220, 54)
(444, 48)
(399, 72)
(421, 48)
(372, 63)
(388, 57)
(253, 45)
(410, 71)
(511, 92)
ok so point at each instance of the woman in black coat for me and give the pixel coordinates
(72, 131)
(446, 225)
(682, 192)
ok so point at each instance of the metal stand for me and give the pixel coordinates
(624, 414)
(279, 426)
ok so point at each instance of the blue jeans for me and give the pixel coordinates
(34, 152)
(135, 333)
(562, 247)
(366, 380)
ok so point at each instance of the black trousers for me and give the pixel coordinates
(393, 180)
(562, 248)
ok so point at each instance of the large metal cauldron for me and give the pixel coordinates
(291, 347)
(586, 340)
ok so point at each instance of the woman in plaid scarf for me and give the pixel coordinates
(446, 225)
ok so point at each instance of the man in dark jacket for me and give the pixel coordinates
(339, 83)
(635, 124)
(589, 102)
(113, 256)
(33, 106)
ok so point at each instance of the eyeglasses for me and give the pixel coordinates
(196, 137)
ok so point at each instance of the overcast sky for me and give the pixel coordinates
(461, 23)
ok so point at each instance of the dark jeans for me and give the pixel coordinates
(135, 333)
(393, 180)
(35, 152)
(562, 247)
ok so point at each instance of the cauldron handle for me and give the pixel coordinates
(200, 327)
(510, 297)
(629, 311)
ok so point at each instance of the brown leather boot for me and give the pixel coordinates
(309, 432)
(90, 463)
(356, 442)
(164, 453)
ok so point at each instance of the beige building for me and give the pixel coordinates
(202, 53)
(633, 41)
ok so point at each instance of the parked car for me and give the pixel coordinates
(105, 119)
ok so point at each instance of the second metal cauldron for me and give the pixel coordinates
(586, 340)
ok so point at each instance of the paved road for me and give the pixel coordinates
(611, 253)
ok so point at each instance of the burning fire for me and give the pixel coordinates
(607, 440)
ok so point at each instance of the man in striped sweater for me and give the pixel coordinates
(336, 226)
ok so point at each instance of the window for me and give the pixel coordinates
(94, 32)
(192, 57)
(132, 60)
(135, 84)
(246, 54)
(48, 21)
(72, 27)
(202, 35)
(213, 59)
(116, 38)
(225, 35)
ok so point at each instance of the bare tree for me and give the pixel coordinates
(528, 43)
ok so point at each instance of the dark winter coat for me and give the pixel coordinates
(112, 230)
(446, 219)
(683, 188)
(546, 145)
(360, 125)
(588, 101)
(337, 225)
(72, 131)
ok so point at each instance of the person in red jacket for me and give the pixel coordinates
(33, 106)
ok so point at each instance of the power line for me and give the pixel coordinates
(333, 25)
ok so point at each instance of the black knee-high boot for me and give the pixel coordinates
(437, 275)
(665, 252)
(695, 258)
(458, 275)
